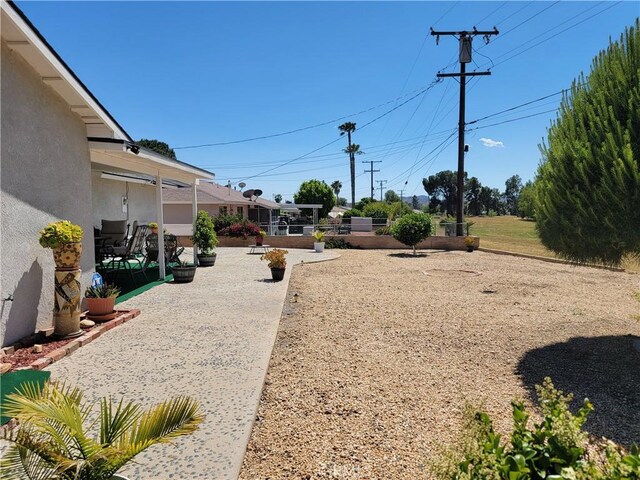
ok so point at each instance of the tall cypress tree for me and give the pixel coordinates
(588, 184)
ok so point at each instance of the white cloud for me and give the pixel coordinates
(487, 142)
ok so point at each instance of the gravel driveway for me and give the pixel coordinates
(375, 361)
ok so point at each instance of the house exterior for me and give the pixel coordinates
(214, 199)
(63, 156)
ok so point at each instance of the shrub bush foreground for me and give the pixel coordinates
(555, 449)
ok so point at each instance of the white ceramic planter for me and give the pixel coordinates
(319, 247)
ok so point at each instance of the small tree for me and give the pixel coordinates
(526, 201)
(391, 196)
(204, 235)
(412, 228)
(316, 191)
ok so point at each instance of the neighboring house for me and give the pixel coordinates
(215, 199)
(63, 157)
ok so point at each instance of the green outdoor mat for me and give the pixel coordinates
(9, 383)
(131, 287)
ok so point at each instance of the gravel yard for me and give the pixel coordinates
(374, 362)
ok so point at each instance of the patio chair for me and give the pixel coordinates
(172, 249)
(121, 257)
(116, 231)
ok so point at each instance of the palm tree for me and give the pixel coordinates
(348, 128)
(336, 186)
(54, 442)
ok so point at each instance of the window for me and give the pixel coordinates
(223, 210)
(240, 211)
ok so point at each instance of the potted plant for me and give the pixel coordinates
(205, 239)
(58, 437)
(154, 227)
(318, 245)
(184, 272)
(65, 239)
(469, 241)
(260, 238)
(277, 263)
(101, 299)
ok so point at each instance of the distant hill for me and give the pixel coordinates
(423, 199)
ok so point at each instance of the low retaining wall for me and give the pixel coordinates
(359, 241)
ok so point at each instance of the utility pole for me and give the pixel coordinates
(465, 38)
(372, 171)
(402, 190)
(381, 187)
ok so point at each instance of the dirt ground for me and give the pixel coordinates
(379, 351)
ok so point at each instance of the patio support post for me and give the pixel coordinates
(194, 204)
(161, 258)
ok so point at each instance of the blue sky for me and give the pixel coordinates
(192, 73)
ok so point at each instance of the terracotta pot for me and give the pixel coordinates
(259, 240)
(277, 274)
(100, 306)
(154, 231)
(67, 256)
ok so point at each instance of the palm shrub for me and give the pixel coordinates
(204, 235)
(53, 440)
(412, 228)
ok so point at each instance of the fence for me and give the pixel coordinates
(438, 229)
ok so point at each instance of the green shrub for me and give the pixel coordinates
(383, 231)
(554, 449)
(411, 229)
(353, 212)
(204, 235)
(376, 210)
(338, 243)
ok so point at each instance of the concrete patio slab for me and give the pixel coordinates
(210, 339)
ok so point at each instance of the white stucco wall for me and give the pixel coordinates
(107, 200)
(45, 175)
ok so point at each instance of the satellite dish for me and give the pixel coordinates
(257, 192)
(242, 185)
(248, 194)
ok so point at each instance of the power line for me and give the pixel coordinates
(339, 138)
(556, 34)
(301, 129)
(517, 106)
(512, 120)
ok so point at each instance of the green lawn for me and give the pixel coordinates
(516, 235)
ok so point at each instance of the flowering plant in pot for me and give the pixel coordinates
(260, 238)
(154, 227)
(469, 243)
(101, 299)
(65, 239)
(205, 239)
(277, 262)
(59, 438)
(318, 245)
